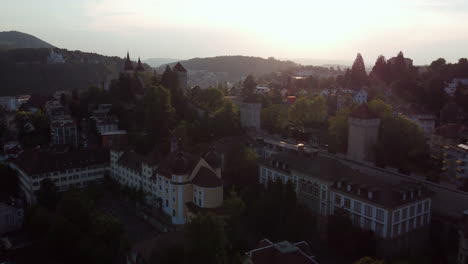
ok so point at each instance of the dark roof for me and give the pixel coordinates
(157, 245)
(321, 166)
(128, 66)
(195, 209)
(139, 66)
(177, 163)
(282, 252)
(37, 161)
(212, 157)
(133, 160)
(451, 130)
(206, 178)
(179, 67)
(363, 112)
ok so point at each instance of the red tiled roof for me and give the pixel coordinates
(363, 112)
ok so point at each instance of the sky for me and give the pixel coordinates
(318, 29)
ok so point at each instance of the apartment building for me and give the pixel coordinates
(77, 168)
(455, 162)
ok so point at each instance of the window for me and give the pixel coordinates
(379, 215)
(357, 219)
(324, 194)
(367, 223)
(173, 212)
(395, 230)
(199, 202)
(379, 229)
(263, 172)
(426, 206)
(396, 216)
(316, 190)
(303, 186)
(411, 211)
(337, 199)
(167, 203)
(368, 210)
(347, 203)
(419, 208)
(357, 206)
(418, 221)
(405, 213)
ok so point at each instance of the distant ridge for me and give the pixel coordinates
(236, 66)
(156, 62)
(18, 40)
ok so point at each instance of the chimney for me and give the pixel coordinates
(369, 195)
(348, 187)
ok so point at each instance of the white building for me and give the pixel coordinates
(455, 162)
(179, 184)
(451, 87)
(55, 58)
(360, 97)
(65, 169)
(328, 187)
(250, 115)
(9, 103)
(262, 89)
(64, 132)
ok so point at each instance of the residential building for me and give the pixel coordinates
(250, 115)
(55, 58)
(114, 138)
(267, 252)
(262, 89)
(11, 216)
(107, 125)
(9, 103)
(345, 97)
(64, 132)
(422, 117)
(446, 135)
(360, 97)
(179, 184)
(451, 87)
(455, 162)
(363, 134)
(77, 168)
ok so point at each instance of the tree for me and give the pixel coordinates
(438, 64)
(226, 121)
(210, 99)
(338, 131)
(47, 195)
(206, 240)
(274, 118)
(249, 86)
(358, 74)
(381, 69)
(305, 112)
(158, 112)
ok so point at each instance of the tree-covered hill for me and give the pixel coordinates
(236, 66)
(25, 71)
(19, 40)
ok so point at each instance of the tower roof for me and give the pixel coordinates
(128, 66)
(179, 67)
(363, 112)
(139, 66)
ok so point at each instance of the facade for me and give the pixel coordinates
(267, 252)
(9, 103)
(262, 90)
(398, 212)
(77, 168)
(55, 58)
(363, 134)
(360, 97)
(179, 184)
(446, 135)
(250, 115)
(451, 87)
(455, 162)
(64, 132)
(11, 217)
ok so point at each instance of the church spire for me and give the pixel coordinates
(128, 66)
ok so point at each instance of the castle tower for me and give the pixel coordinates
(363, 132)
(139, 67)
(180, 74)
(128, 66)
(250, 114)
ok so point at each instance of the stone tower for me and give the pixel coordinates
(363, 132)
(250, 115)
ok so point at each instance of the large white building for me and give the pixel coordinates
(180, 184)
(250, 115)
(329, 187)
(65, 169)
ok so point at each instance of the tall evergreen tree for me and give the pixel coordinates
(249, 86)
(380, 69)
(358, 75)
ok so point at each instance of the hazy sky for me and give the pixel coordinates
(327, 29)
